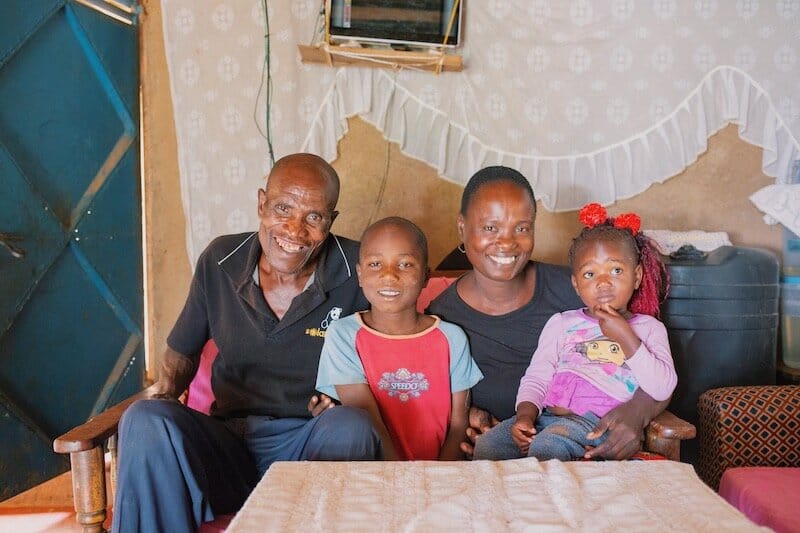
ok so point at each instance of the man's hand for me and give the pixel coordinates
(176, 372)
(625, 428)
(319, 404)
(158, 391)
(480, 422)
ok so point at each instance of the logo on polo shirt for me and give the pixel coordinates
(334, 314)
(403, 384)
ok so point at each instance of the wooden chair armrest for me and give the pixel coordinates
(95, 431)
(664, 434)
(668, 426)
(85, 445)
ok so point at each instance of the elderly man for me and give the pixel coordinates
(266, 299)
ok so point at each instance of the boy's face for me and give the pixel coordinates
(391, 271)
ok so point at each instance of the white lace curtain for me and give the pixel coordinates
(591, 100)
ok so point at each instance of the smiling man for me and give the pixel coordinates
(266, 298)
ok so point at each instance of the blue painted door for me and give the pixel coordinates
(71, 290)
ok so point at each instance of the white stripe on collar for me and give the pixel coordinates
(235, 249)
(349, 273)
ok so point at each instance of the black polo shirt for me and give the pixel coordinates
(265, 366)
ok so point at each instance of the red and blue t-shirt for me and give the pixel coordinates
(412, 377)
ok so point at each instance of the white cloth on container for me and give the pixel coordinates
(668, 241)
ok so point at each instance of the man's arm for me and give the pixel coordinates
(625, 427)
(175, 375)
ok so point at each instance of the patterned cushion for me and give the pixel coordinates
(748, 426)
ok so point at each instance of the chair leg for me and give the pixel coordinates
(112, 450)
(89, 488)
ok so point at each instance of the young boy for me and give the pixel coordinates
(411, 372)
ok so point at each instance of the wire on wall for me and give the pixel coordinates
(385, 178)
(265, 71)
(382, 189)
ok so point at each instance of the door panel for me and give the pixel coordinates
(71, 307)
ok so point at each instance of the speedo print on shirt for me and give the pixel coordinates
(403, 384)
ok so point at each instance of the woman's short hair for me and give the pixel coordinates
(494, 174)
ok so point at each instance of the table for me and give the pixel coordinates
(518, 495)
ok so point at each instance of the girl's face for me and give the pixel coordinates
(497, 230)
(391, 270)
(606, 273)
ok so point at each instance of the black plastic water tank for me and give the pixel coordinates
(722, 320)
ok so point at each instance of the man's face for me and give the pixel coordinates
(296, 212)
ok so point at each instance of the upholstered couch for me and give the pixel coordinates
(750, 450)
(88, 442)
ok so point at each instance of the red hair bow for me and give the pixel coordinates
(594, 214)
(630, 221)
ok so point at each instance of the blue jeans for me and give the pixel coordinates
(179, 468)
(557, 437)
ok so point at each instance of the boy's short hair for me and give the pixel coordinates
(403, 223)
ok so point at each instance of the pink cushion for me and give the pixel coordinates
(200, 396)
(769, 496)
(433, 289)
(218, 525)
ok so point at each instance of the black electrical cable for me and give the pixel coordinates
(265, 69)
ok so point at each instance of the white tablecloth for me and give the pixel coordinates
(520, 495)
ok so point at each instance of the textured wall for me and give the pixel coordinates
(378, 181)
(168, 270)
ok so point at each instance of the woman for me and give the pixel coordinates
(504, 301)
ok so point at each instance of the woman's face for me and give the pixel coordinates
(497, 230)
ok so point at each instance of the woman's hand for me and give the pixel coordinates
(624, 426)
(480, 421)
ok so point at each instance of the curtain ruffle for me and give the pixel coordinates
(621, 170)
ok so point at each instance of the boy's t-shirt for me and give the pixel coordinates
(412, 377)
